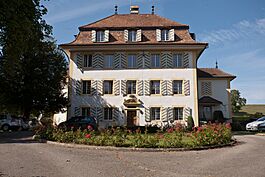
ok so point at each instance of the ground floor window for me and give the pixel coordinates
(86, 111)
(107, 113)
(178, 113)
(155, 113)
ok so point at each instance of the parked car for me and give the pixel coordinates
(8, 122)
(261, 127)
(253, 126)
(79, 122)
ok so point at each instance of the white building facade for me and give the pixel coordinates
(135, 70)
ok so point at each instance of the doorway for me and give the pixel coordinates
(131, 118)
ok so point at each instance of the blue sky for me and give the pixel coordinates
(234, 29)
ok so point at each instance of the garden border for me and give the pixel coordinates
(133, 149)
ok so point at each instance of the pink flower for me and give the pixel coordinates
(228, 125)
(90, 128)
(88, 136)
(199, 129)
(161, 136)
(170, 130)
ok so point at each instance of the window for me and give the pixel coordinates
(177, 60)
(131, 61)
(155, 113)
(164, 35)
(86, 111)
(155, 87)
(178, 113)
(132, 36)
(108, 61)
(155, 61)
(107, 113)
(87, 61)
(177, 87)
(131, 87)
(100, 36)
(107, 87)
(86, 87)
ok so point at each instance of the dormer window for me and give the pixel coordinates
(164, 35)
(132, 36)
(100, 36)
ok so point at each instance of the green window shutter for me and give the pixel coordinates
(146, 87)
(170, 114)
(164, 59)
(126, 35)
(77, 111)
(139, 60)
(123, 87)
(116, 87)
(100, 113)
(123, 59)
(116, 113)
(78, 87)
(98, 60)
(93, 111)
(100, 87)
(140, 87)
(169, 60)
(158, 35)
(164, 117)
(186, 60)
(117, 62)
(79, 61)
(106, 35)
(187, 113)
(147, 115)
(147, 60)
(186, 87)
(171, 35)
(94, 87)
(164, 87)
(170, 87)
(139, 35)
(93, 35)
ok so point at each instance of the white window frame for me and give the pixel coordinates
(87, 60)
(155, 113)
(131, 87)
(107, 87)
(178, 60)
(179, 87)
(178, 113)
(108, 114)
(154, 87)
(155, 61)
(100, 36)
(108, 61)
(164, 35)
(132, 61)
(132, 35)
(86, 87)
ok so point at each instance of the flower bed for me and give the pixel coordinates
(175, 137)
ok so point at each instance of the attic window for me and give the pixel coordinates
(164, 35)
(100, 36)
(132, 36)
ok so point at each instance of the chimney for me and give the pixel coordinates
(134, 9)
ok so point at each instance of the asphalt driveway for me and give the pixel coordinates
(22, 157)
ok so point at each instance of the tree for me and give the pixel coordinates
(237, 101)
(32, 69)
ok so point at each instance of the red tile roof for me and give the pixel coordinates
(213, 73)
(133, 21)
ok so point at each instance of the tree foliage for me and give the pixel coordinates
(237, 101)
(32, 69)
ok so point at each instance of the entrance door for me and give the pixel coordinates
(131, 118)
(207, 112)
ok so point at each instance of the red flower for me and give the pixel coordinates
(90, 128)
(228, 125)
(170, 130)
(88, 136)
(199, 129)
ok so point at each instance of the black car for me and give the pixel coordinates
(79, 122)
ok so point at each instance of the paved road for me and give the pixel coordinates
(22, 157)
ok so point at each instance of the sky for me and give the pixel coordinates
(234, 29)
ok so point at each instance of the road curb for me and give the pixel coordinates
(132, 149)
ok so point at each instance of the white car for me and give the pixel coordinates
(254, 126)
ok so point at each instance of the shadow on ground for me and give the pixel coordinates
(17, 137)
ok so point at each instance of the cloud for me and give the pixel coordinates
(241, 30)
